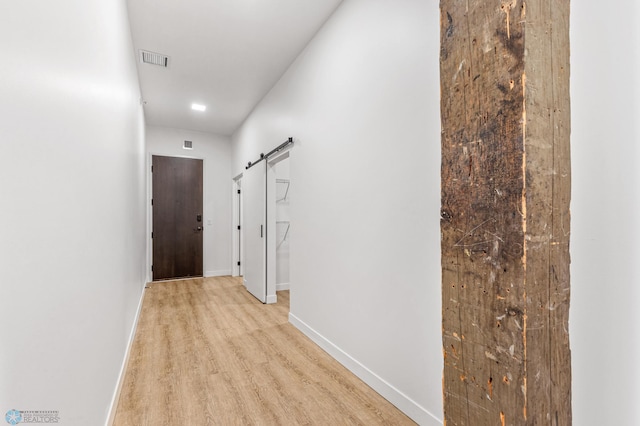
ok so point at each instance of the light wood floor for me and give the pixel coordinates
(207, 353)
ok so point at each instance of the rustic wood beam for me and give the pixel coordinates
(505, 211)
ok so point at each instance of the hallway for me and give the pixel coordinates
(207, 353)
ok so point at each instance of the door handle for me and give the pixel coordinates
(198, 229)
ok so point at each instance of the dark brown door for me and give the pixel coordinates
(177, 217)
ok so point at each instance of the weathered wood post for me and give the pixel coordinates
(505, 211)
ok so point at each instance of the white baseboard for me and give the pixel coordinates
(220, 273)
(405, 404)
(272, 299)
(123, 369)
(282, 286)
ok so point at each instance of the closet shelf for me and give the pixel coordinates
(286, 232)
(286, 192)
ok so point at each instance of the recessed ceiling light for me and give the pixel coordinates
(198, 107)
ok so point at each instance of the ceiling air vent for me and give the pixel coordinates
(188, 145)
(154, 58)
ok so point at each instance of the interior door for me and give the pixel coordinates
(177, 217)
(254, 230)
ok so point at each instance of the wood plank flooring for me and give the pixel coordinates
(207, 353)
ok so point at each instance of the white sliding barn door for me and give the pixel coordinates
(254, 230)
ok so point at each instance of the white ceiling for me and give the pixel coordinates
(225, 54)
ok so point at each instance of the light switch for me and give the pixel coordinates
(209, 222)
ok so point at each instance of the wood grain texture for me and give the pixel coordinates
(177, 203)
(206, 352)
(505, 212)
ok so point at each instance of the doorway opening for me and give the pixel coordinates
(263, 227)
(278, 217)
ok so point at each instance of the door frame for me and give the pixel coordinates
(149, 195)
(237, 248)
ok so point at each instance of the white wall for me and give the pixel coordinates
(215, 150)
(362, 103)
(72, 212)
(604, 322)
